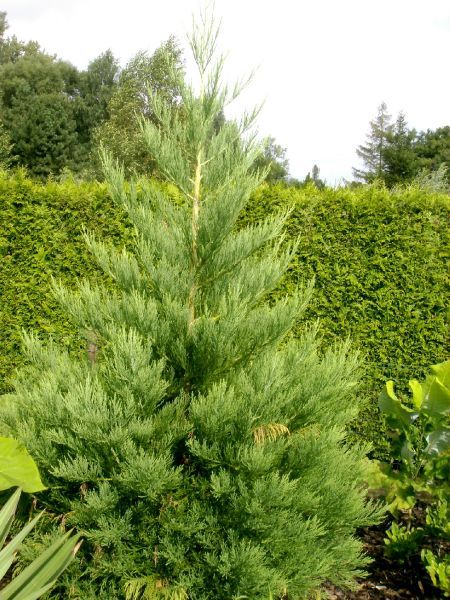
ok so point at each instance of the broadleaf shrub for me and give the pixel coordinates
(418, 472)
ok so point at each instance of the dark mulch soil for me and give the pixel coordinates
(389, 579)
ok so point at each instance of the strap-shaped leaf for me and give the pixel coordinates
(7, 515)
(5, 566)
(37, 593)
(391, 406)
(9, 551)
(44, 570)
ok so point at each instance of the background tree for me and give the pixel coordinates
(314, 177)
(5, 148)
(96, 87)
(432, 149)
(121, 134)
(208, 445)
(372, 153)
(101, 106)
(11, 49)
(433, 181)
(273, 159)
(37, 109)
(399, 157)
(45, 138)
(396, 154)
(48, 107)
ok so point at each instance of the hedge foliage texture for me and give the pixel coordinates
(379, 259)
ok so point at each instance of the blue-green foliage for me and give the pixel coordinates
(198, 445)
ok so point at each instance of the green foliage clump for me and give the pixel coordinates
(48, 108)
(17, 468)
(419, 439)
(379, 260)
(433, 150)
(199, 447)
(433, 181)
(419, 469)
(273, 159)
(402, 541)
(395, 154)
(438, 570)
(36, 106)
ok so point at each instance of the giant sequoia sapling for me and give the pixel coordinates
(202, 453)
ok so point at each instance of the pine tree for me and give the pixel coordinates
(314, 177)
(399, 156)
(199, 448)
(372, 152)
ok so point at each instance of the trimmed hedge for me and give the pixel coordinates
(379, 258)
(380, 261)
(40, 238)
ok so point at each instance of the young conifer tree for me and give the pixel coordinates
(199, 448)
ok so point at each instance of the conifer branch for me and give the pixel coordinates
(270, 432)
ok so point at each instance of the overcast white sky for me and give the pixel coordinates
(324, 65)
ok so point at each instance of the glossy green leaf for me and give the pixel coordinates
(438, 441)
(17, 468)
(436, 400)
(442, 372)
(391, 405)
(417, 393)
(407, 453)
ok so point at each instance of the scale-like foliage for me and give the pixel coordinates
(198, 446)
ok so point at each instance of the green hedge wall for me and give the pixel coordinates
(40, 238)
(380, 262)
(379, 258)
